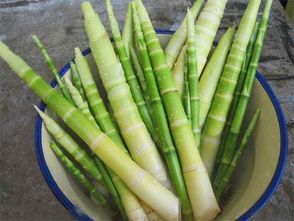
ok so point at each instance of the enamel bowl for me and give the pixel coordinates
(255, 180)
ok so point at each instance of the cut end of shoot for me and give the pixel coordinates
(113, 22)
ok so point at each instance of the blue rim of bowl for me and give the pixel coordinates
(261, 202)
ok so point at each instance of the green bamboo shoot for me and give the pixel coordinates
(52, 68)
(78, 100)
(77, 173)
(212, 72)
(243, 71)
(240, 82)
(231, 140)
(139, 72)
(236, 96)
(193, 78)
(76, 79)
(217, 115)
(204, 204)
(232, 165)
(186, 97)
(66, 141)
(158, 113)
(178, 75)
(127, 34)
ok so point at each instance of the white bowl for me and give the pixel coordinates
(255, 180)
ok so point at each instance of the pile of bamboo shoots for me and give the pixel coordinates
(168, 143)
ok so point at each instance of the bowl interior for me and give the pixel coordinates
(250, 180)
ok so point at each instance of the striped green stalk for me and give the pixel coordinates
(149, 190)
(79, 154)
(193, 78)
(134, 131)
(129, 72)
(233, 163)
(212, 72)
(142, 80)
(236, 96)
(178, 39)
(76, 79)
(178, 74)
(186, 97)
(52, 68)
(129, 201)
(221, 102)
(77, 173)
(240, 81)
(206, 27)
(231, 140)
(66, 141)
(158, 113)
(95, 101)
(127, 34)
(139, 72)
(203, 202)
(244, 69)
(78, 100)
(111, 113)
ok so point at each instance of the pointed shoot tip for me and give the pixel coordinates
(87, 7)
(38, 110)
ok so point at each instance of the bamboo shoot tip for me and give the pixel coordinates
(67, 79)
(138, 2)
(3, 47)
(78, 51)
(34, 37)
(133, 4)
(87, 7)
(38, 110)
